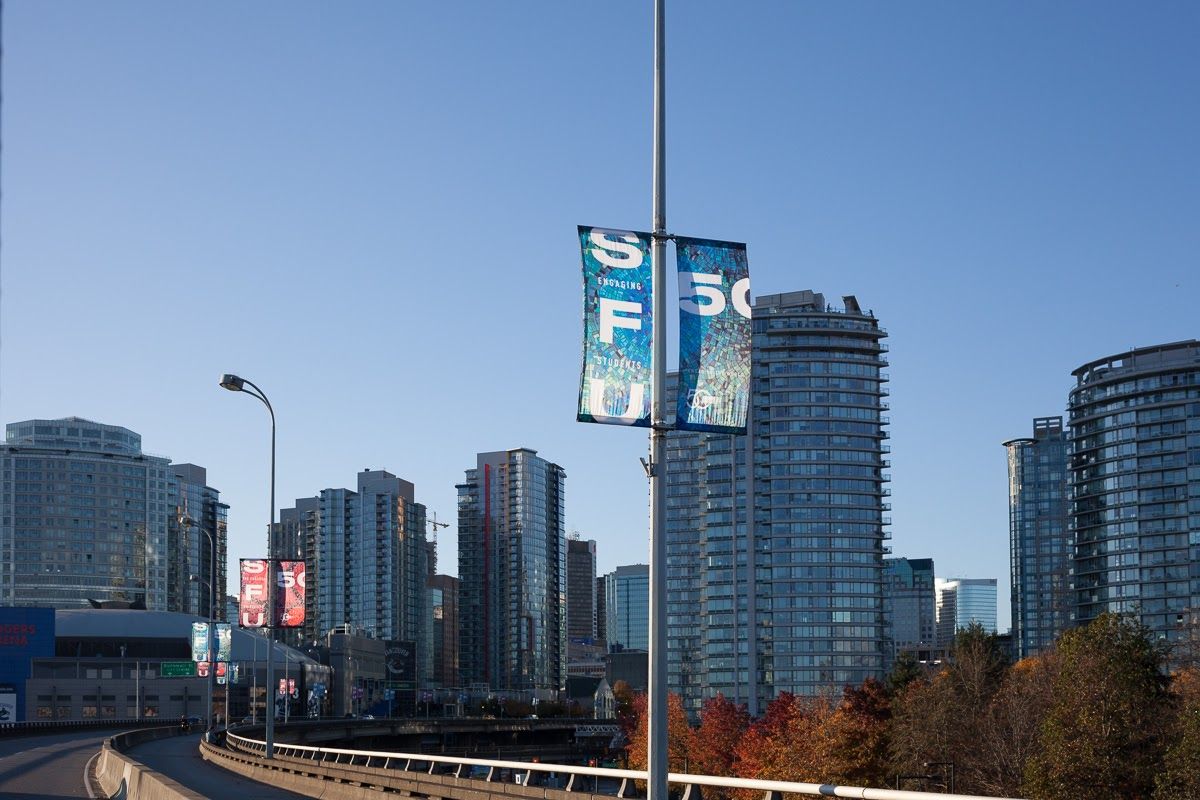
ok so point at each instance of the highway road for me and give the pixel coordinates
(46, 766)
(179, 758)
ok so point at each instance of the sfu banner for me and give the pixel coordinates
(714, 335)
(289, 595)
(614, 384)
(252, 601)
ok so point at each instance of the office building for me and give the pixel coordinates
(601, 612)
(512, 569)
(627, 606)
(365, 561)
(808, 617)
(1039, 539)
(87, 516)
(962, 602)
(581, 589)
(196, 536)
(1135, 486)
(443, 604)
(909, 609)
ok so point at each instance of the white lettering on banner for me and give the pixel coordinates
(287, 578)
(254, 566)
(637, 394)
(707, 286)
(251, 591)
(255, 622)
(626, 244)
(610, 320)
(740, 294)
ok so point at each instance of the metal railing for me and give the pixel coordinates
(489, 770)
(46, 725)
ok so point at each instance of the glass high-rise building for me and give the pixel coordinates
(512, 569)
(443, 605)
(909, 609)
(1135, 486)
(789, 598)
(1039, 539)
(86, 515)
(962, 602)
(627, 606)
(197, 539)
(365, 560)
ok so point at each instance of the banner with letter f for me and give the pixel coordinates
(618, 327)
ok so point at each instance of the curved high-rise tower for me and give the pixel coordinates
(1135, 486)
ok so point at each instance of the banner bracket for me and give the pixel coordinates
(649, 467)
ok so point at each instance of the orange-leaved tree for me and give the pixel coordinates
(678, 735)
(722, 725)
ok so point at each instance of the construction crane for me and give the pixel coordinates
(434, 525)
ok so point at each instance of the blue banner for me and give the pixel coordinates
(714, 336)
(614, 384)
(199, 641)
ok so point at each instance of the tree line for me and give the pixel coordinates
(1098, 717)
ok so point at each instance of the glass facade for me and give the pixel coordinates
(365, 555)
(1040, 548)
(195, 549)
(512, 568)
(909, 609)
(962, 602)
(627, 606)
(86, 515)
(581, 589)
(789, 599)
(1135, 486)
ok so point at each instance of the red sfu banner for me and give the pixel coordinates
(289, 593)
(252, 602)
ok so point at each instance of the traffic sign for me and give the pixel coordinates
(177, 669)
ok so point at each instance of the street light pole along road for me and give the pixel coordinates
(235, 384)
(212, 610)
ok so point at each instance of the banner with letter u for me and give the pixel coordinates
(614, 384)
(714, 336)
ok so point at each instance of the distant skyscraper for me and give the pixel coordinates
(190, 552)
(1039, 540)
(627, 606)
(365, 560)
(581, 589)
(809, 616)
(512, 569)
(909, 608)
(86, 515)
(443, 603)
(601, 612)
(1135, 484)
(961, 602)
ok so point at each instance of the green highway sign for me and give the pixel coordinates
(178, 669)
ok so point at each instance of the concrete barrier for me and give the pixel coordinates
(124, 778)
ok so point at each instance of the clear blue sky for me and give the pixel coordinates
(369, 209)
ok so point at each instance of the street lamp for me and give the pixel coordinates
(235, 384)
(188, 522)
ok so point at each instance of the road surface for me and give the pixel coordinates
(48, 766)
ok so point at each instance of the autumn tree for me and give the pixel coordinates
(941, 719)
(1102, 736)
(713, 744)
(678, 735)
(1180, 775)
(853, 740)
(1012, 730)
(784, 745)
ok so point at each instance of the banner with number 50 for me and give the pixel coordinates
(714, 335)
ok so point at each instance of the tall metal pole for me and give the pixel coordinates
(657, 726)
(235, 384)
(212, 625)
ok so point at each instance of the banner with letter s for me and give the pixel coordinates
(252, 600)
(614, 384)
(289, 595)
(714, 335)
